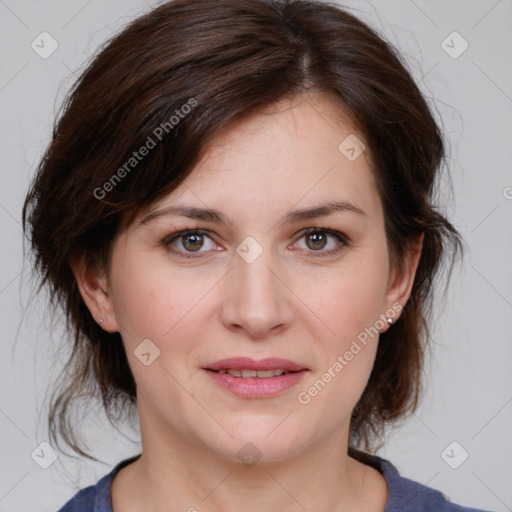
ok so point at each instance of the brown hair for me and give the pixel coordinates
(226, 59)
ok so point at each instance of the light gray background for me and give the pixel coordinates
(468, 388)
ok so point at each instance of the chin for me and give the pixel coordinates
(257, 442)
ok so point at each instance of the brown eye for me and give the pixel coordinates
(316, 240)
(192, 242)
(187, 242)
(323, 242)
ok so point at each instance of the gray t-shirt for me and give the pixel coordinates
(404, 495)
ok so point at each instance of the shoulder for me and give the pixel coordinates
(95, 498)
(405, 495)
(89, 498)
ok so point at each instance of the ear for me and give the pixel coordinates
(93, 286)
(400, 283)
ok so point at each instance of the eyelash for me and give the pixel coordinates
(343, 240)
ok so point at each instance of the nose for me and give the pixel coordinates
(257, 301)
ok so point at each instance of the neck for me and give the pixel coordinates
(188, 479)
(176, 472)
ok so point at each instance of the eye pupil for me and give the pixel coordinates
(195, 245)
(315, 238)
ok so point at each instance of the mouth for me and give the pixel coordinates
(246, 364)
(248, 378)
(258, 374)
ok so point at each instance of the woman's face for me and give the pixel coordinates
(271, 279)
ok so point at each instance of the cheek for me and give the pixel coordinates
(148, 299)
(351, 298)
(167, 306)
(154, 303)
(349, 302)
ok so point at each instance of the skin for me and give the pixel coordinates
(294, 301)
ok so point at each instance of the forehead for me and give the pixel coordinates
(291, 153)
(296, 124)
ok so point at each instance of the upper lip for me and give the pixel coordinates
(246, 363)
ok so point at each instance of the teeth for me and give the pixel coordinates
(260, 374)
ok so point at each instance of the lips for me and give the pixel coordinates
(247, 374)
(246, 363)
(250, 379)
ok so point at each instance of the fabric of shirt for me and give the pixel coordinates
(404, 495)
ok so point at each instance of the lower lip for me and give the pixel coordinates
(253, 387)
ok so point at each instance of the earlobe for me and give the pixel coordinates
(93, 286)
(400, 286)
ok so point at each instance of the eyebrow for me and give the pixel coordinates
(215, 216)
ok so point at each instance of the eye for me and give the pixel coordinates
(189, 241)
(317, 239)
